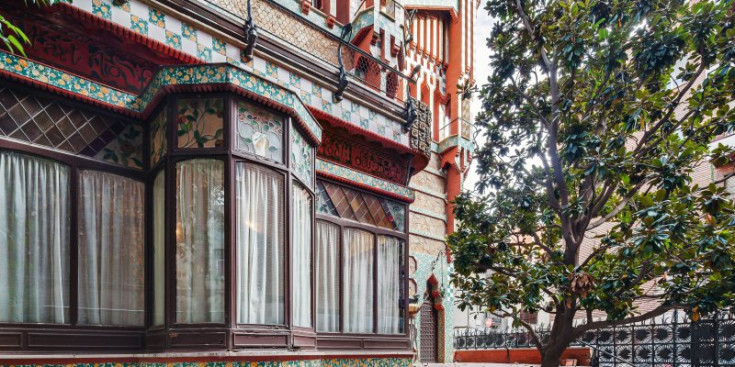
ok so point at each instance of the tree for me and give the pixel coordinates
(12, 37)
(595, 114)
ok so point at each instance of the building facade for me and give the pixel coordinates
(231, 182)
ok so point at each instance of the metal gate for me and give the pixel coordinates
(428, 332)
(672, 341)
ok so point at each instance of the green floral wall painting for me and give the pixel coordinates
(259, 132)
(126, 149)
(200, 123)
(302, 157)
(158, 137)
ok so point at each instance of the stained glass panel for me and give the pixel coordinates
(302, 157)
(259, 132)
(200, 123)
(359, 206)
(52, 124)
(158, 137)
(125, 149)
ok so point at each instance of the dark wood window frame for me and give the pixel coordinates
(175, 336)
(342, 340)
(71, 336)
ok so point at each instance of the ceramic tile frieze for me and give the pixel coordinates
(173, 75)
(143, 19)
(364, 179)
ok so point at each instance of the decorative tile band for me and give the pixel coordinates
(233, 361)
(153, 25)
(363, 180)
(188, 75)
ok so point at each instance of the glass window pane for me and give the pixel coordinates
(358, 282)
(199, 123)
(111, 259)
(390, 255)
(159, 252)
(200, 280)
(302, 157)
(302, 256)
(158, 137)
(327, 277)
(259, 132)
(34, 233)
(259, 245)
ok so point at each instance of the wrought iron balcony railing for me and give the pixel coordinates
(278, 20)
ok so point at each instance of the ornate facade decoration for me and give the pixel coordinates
(422, 128)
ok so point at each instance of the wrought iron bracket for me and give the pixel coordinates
(251, 36)
(342, 82)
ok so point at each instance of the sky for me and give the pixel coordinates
(482, 70)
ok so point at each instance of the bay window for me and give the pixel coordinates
(203, 227)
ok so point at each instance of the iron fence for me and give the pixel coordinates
(671, 341)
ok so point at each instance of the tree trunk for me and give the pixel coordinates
(551, 356)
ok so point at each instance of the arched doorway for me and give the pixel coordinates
(430, 324)
(429, 331)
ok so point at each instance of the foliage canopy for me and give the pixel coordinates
(595, 115)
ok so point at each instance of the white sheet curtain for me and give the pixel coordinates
(358, 282)
(34, 239)
(302, 255)
(159, 253)
(259, 245)
(389, 283)
(200, 278)
(111, 260)
(327, 277)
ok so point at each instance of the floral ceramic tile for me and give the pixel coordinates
(101, 9)
(204, 53)
(188, 32)
(138, 25)
(173, 40)
(156, 18)
(219, 46)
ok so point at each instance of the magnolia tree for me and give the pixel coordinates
(13, 38)
(595, 115)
